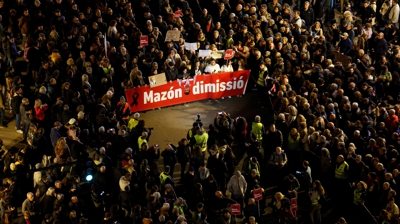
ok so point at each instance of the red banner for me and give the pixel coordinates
(257, 194)
(235, 209)
(183, 91)
(144, 40)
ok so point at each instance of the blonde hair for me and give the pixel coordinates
(70, 62)
(38, 102)
(279, 196)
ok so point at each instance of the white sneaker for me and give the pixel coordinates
(19, 131)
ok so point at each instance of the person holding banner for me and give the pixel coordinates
(197, 69)
(237, 185)
(227, 67)
(212, 67)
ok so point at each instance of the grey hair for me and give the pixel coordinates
(29, 194)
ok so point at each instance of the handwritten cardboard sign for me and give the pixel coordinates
(173, 35)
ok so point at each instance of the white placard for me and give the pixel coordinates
(191, 46)
(204, 53)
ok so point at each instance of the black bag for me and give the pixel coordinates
(322, 199)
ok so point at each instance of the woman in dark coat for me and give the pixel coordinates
(47, 202)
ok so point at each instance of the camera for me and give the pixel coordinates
(198, 118)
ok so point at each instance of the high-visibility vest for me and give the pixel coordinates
(357, 196)
(141, 141)
(315, 202)
(132, 123)
(256, 167)
(340, 172)
(201, 140)
(256, 128)
(260, 80)
(180, 209)
(163, 177)
(190, 133)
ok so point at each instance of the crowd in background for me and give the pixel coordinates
(331, 83)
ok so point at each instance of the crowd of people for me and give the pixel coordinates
(331, 86)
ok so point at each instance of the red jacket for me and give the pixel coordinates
(40, 115)
(391, 121)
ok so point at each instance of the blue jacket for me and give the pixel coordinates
(345, 46)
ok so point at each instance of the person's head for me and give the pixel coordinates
(237, 174)
(167, 169)
(251, 201)
(366, 3)
(306, 5)
(30, 196)
(278, 150)
(74, 199)
(340, 159)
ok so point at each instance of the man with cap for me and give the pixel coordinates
(345, 45)
(171, 72)
(123, 110)
(237, 185)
